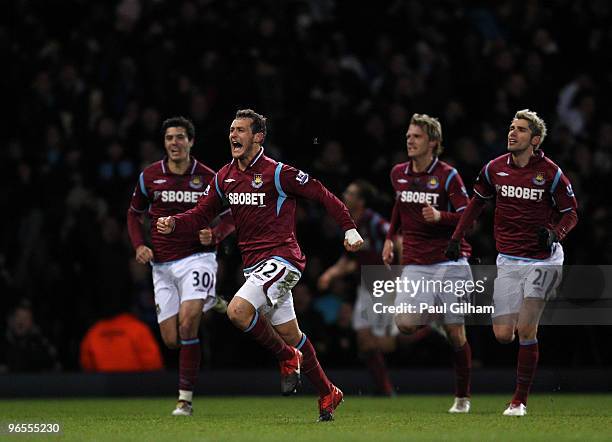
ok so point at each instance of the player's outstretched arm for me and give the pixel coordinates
(189, 223)
(224, 228)
(297, 183)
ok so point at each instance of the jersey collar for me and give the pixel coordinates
(166, 170)
(535, 158)
(408, 170)
(257, 157)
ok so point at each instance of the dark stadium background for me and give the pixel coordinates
(87, 84)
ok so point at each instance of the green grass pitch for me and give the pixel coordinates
(551, 418)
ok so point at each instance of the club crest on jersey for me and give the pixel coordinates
(301, 177)
(539, 179)
(257, 180)
(196, 182)
(433, 182)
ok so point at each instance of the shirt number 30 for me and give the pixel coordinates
(205, 279)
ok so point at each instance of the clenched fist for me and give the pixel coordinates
(206, 237)
(165, 225)
(143, 254)
(430, 214)
(352, 240)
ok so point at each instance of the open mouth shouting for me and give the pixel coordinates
(237, 148)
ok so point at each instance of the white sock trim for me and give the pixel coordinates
(185, 395)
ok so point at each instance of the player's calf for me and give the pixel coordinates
(366, 342)
(291, 368)
(169, 332)
(455, 334)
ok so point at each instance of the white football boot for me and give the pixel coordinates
(515, 410)
(461, 405)
(183, 408)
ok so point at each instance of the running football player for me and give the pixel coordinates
(535, 209)
(262, 194)
(184, 270)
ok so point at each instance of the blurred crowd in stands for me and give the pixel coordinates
(86, 93)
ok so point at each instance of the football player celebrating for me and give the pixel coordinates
(429, 198)
(184, 270)
(262, 194)
(535, 208)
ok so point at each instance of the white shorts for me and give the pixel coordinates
(364, 316)
(175, 282)
(440, 287)
(525, 278)
(268, 288)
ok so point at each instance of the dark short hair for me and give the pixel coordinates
(258, 121)
(183, 122)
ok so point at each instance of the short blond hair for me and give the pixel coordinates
(536, 124)
(432, 127)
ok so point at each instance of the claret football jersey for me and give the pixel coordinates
(526, 199)
(439, 186)
(263, 202)
(159, 193)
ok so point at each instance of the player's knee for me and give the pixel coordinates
(366, 345)
(404, 325)
(504, 337)
(188, 329)
(527, 334)
(239, 316)
(456, 337)
(407, 329)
